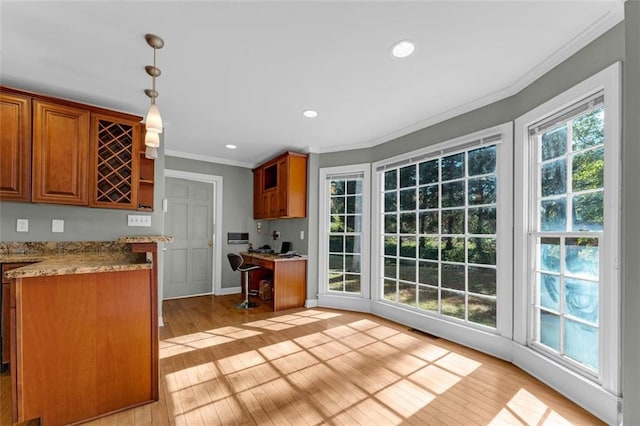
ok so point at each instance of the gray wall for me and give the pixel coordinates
(237, 206)
(630, 213)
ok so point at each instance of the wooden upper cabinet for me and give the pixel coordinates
(15, 147)
(281, 192)
(115, 162)
(58, 151)
(60, 154)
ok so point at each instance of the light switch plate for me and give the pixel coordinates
(302, 235)
(57, 225)
(22, 225)
(139, 220)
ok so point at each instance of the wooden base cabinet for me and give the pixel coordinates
(288, 277)
(84, 345)
(7, 305)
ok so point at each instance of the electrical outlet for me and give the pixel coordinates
(302, 235)
(57, 225)
(22, 225)
(139, 220)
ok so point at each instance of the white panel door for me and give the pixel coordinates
(189, 219)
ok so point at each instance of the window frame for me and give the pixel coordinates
(332, 298)
(504, 239)
(571, 378)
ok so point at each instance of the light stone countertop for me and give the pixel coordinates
(76, 263)
(76, 257)
(133, 239)
(274, 257)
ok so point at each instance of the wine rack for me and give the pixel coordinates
(116, 163)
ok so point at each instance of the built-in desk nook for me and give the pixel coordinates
(287, 274)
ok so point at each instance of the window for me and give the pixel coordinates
(344, 227)
(567, 237)
(567, 233)
(438, 229)
(345, 234)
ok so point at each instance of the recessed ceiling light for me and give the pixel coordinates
(310, 113)
(230, 146)
(403, 48)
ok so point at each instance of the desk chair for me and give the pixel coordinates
(237, 264)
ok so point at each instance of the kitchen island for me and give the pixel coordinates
(84, 339)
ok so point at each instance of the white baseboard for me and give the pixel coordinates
(583, 392)
(355, 304)
(483, 341)
(311, 303)
(229, 290)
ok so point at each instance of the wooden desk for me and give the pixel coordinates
(288, 275)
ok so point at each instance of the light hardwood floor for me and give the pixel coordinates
(219, 365)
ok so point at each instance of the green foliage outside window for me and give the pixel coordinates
(439, 225)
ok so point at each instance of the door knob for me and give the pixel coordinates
(210, 243)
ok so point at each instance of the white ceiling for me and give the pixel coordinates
(242, 72)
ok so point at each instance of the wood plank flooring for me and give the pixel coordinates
(222, 366)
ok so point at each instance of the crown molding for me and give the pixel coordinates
(206, 158)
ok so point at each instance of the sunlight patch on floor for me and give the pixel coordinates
(235, 363)
(404, 364)
(269, 325)
(294, 362)
(279, 350)
(525, 408)
(202, 339)
(458, 364)
(405, 397)
(435, 379)
(283, 322)
(313, 339)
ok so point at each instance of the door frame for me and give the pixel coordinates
(217, 182)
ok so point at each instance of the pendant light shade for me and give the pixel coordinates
(153, 120)
(151, 152)
(152, 139)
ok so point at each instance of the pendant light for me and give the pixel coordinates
(153, 120)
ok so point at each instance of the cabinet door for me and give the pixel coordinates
(283, 187)
(6, 319)
(273, 204)
(7, 304)
(269, 202)
(114, 161)
(15, 147)
(60, 154)
(297, 185)
(266, 205)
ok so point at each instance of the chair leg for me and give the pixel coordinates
(246, 304)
